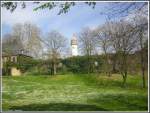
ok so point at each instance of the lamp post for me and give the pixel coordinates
(96, 63)
(96, 66)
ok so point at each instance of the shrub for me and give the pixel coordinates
(79, 64)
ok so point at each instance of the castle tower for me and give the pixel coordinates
(74, 46)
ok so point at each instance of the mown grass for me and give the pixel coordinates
(73, 93)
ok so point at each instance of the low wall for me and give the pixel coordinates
(15, 71)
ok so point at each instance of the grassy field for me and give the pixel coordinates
(73, 93)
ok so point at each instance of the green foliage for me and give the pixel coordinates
(49, 5)
(23, 63)
(43, 67)
(62, 70)
(36, 70)
(10, 5)
(63, 7)
(79, 64)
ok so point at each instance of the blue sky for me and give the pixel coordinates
(78, 17)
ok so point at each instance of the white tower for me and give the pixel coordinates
(74, 46)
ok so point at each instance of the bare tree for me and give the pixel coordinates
(103, 40)
(55, 44)
(124, 42)
(29, 35)
(114, 34)
(123, 9)
(32, 36)
(141, 25)
(10, 43)
(87, 45)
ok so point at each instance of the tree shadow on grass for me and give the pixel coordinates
(58, 107)
(121, 102)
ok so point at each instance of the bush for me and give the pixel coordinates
(79, 64)
(23, 63)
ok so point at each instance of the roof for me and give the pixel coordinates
(74, 40)
(14, 54)
(4, 54)
(74, 37)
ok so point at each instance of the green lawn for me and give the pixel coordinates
(73, 93)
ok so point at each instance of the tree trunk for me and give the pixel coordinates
(89, 65)
(124, 79)
(124, 68)
(54, 69)
(143, 77)
(114, 63)
(107, 69)
(142, 60)
(143, 69)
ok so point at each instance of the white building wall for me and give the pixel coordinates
(74, 50)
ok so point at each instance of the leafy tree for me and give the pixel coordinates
(64, 7)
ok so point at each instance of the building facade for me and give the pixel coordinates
(13, 58)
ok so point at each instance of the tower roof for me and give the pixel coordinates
(74, 37)
(74, 40)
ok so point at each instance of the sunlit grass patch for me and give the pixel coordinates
(81, 92)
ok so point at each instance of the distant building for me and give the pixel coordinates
(13, 58)
(74, 46)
